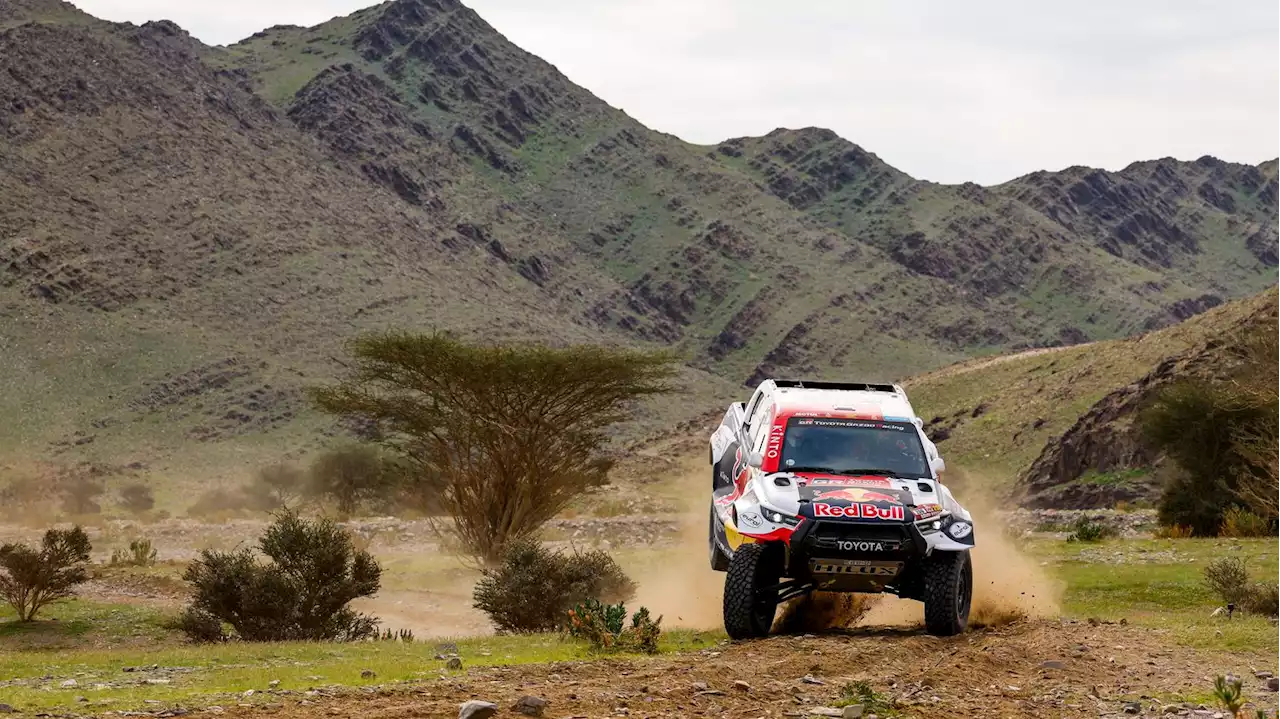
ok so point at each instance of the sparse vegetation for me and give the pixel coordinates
(1240, 522)
(534, 587)
(605, 629)
(1229, 579)
(31, 579)
(349, 477)
(303, 593)
(276, 487)
(1229, 691)
(140, 554)
(80, 495)
(513, 433)
(1086, 530)
(873, 702)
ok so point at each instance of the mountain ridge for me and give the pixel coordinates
(214, 222)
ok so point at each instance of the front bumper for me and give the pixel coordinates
(852, 556)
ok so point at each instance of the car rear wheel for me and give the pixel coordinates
(748, 611)
(948, 593)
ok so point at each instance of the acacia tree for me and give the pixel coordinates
(511, 433)
(30, 579)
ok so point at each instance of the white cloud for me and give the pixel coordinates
(983, 90)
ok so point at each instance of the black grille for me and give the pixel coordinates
(828, 536)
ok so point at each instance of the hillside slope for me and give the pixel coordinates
(1054, 427)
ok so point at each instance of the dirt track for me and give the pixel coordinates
(1093, 671)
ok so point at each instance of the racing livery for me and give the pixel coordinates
(833, 486)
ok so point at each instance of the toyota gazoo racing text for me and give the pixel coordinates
(833, 486)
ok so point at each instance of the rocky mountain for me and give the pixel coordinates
(188, 234)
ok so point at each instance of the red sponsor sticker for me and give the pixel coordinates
(859, 511)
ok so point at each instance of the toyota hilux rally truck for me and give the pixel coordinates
(833, 487)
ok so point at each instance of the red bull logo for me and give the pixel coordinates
(859, 511)
(855, 494)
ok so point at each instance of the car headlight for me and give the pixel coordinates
(777, 517)
(960, 530)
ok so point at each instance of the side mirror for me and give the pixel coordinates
(755, 460)
(937, 465)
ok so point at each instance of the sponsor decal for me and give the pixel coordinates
(751, 520)
(855, 494)
(852, 482)
(859, 511)
(926, 511)
(849, 545)
(773, 448)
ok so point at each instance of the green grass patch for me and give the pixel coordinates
(1159, 584)
(198, 676)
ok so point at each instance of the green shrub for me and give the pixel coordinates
(1228, 578)
(349, 477)
(862, 693)
(1086, 530)
(302, 594)
(603, 626)
(1200, 426)
(1239, 522)
(140, 554)
(533, 588)
(201, 626)
(275, 487)
(30, 579)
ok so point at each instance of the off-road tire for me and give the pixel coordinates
(719, 562)
(948, 593)
(747, 613)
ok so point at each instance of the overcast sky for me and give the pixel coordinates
(979, 90)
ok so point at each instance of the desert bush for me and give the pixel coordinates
(404, 636)
(349, 477)
(140, 554)
(1228, 578)
(534, 587)
(873, 702)
(1086, 530)
(30, 579)
(1239, 522)
(136, 498)
(274, 487)
(1173, 531)
(603, 627)
(80, 495)
(1197, 425)
(201, 626)
(301, 594)
(512, 433)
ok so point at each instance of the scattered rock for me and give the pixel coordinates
(454, 664)
(1273, 684)
(853, 711)
(82, 700)
(475, 709)
(69, 683)
(700, 686)
(741, 685)
(6, 709)
(368, 674)
(1132, 708)
(810, 679)
(248, 692)
(273, 683)
(1053, 664)
(531, 706)
(824, 712)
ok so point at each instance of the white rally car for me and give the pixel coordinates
(833, 486)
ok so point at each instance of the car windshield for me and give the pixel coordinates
(850, 446)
